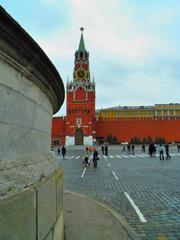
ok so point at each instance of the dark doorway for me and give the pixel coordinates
(79, 137)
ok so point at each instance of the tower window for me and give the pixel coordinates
(81, 54)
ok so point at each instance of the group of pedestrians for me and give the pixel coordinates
(130, 149)
(104, 148)
(62, 150)
(163, 148)
(95, 155)
(161, 151)
(152, 149)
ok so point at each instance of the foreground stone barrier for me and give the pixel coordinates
(31, 180)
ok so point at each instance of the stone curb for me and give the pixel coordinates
(118, 218)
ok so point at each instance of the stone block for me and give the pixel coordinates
(58, 233)
(46, 204)
(18, 216)
(59, 191)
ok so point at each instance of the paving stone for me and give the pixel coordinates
(153, 185)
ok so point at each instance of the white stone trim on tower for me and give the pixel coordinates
(88, 140)
(70, 141)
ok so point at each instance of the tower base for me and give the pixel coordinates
(87, 140)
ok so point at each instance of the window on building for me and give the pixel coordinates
(56, 141)
(81, 54)
(78, 121)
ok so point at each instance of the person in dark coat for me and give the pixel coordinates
(63, 150)
(143, 148)
(58, 150)
(102, 148)
(151, 149)
(106, 149)
(132, 148)
(95, 158)
(178, 148)
(167, 151)
(154, 149)
(128, 148)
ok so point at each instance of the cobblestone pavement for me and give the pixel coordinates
(144, 190)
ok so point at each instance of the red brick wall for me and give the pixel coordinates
(59, 129)
(124, 130)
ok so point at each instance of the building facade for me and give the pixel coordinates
(83, 124)
(158, 111)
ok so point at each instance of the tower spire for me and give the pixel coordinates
(81, 43)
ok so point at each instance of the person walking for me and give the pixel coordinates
(86, 160)
(128, 148)
(161, 152)
(63, 150)
(167, 151)
(58, 151)
(151, 149)
(132, 149)
(95, 158)
(178, 148)
(143, 148)
(124, 149)
(102, 148)
(106, 149)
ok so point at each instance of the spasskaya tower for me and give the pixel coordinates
(80, 120)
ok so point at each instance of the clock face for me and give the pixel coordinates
(81, 73)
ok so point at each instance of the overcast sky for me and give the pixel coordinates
(134, 45)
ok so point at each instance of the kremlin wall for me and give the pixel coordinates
(84, 125)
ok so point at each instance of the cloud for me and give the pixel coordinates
(134, 49)
(113, 29)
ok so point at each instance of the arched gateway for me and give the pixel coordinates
(79, 136)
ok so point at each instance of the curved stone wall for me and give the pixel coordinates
(26, 113)
(31, 180)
